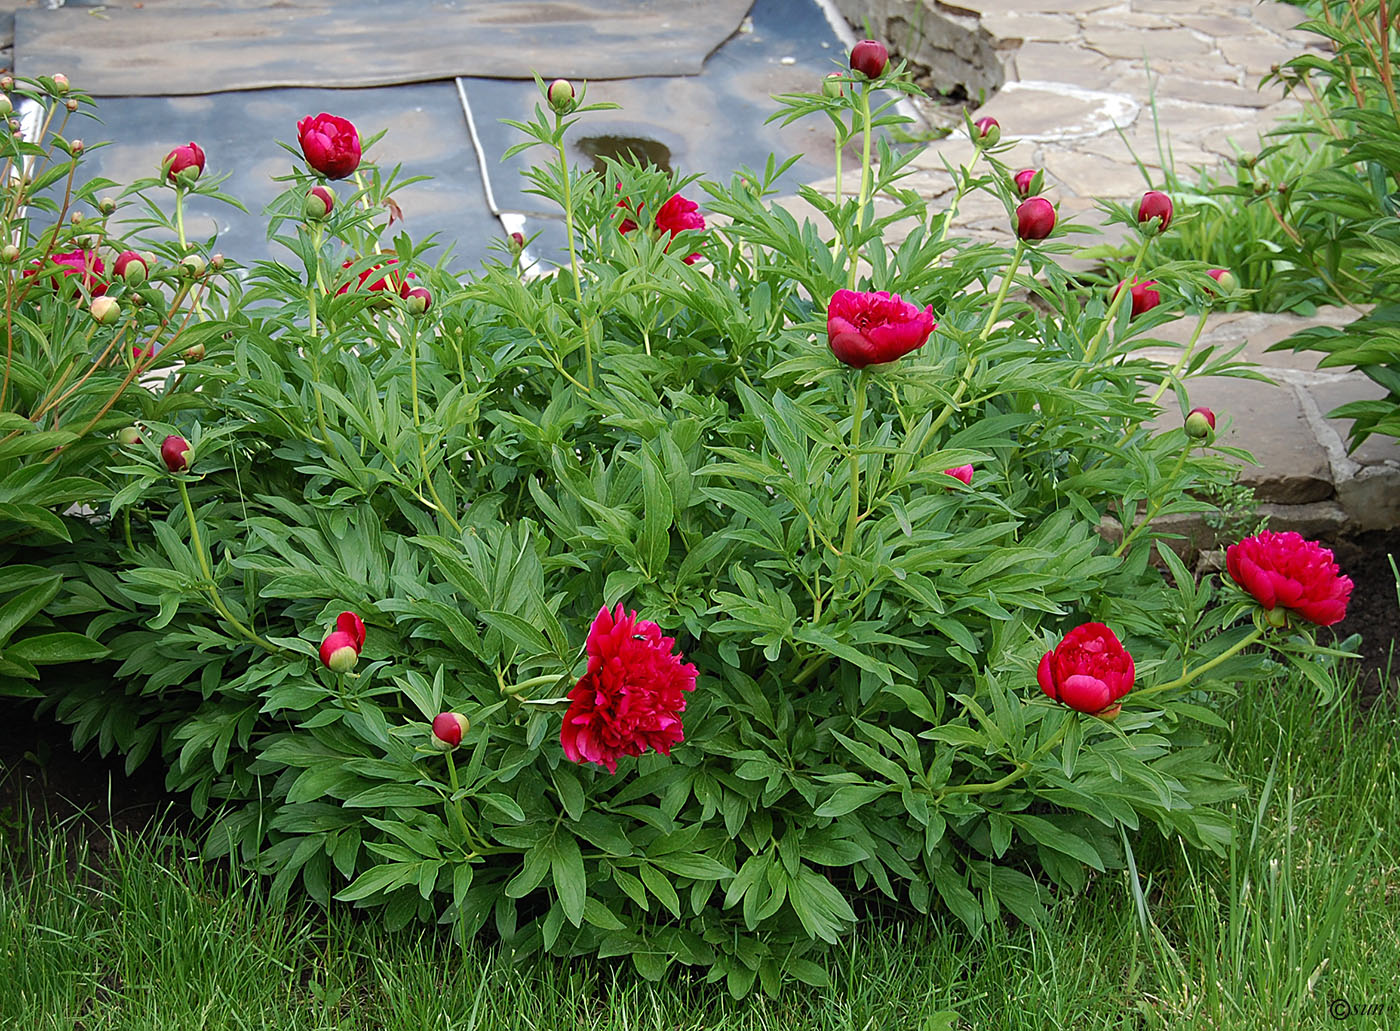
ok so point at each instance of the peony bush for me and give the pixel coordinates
(735, 581)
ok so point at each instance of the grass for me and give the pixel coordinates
(1301, 917)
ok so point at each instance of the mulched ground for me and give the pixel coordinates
(42, 775)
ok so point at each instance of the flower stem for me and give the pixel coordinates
(992, 316)
(1181, 362)
(1191, 675)
(455, 808)
(857, 417)
(1022, 768)
(1156, 505)
(573, 252)
(180, 216)
(1124, 291)
(210, 588)
(865, 177)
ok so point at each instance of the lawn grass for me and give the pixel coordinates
(1302, 918)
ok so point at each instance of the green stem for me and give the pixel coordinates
(966, 380)
(1022, 768)
(313, 277)
(857, 417)
(210, 588)
(456, 809)
(865, 177)
(1181, 362)
(1191, 675)
(1157, 504)
(1123, 293)
(418, 431)
(573, 253)
(180, 216)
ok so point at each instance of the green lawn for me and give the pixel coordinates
(1300, 928)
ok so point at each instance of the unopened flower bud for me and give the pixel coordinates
(517, 242)
(107, 206)
(216, 261)
(193, 265)
(339, 652)
(194, 353)
(448, 730)
(9, 252)
(77, 218)
(6, 106)
(7, 83)
(987, 131)
(320, 202)
(60, 84)
(131, 268)
(71, 104)
(560, 95)
(15, 125)
(1226, 279)
(128, 436)
(1155, 204)
(1035, 219)
(833, 85)
(418, 300)
(869, 57)
(1200, 424)
(174, 451)
(105, 310)
(1027, 182)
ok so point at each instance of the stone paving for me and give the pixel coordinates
(1072, 74)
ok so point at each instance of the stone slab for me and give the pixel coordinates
(1376, 449)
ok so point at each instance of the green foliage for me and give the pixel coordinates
(476, 481)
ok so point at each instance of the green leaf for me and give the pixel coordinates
(570, 879)
(61, 646)
(24, 606)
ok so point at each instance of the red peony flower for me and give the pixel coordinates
(330, 144)
(1088, 671)
(961, 472)
(339, 652)
(349, 623)
(1155, 204)
(184, 164)
(631, 697)
(389, 281)
(678, 215)
(875, 328)
(84, 264)
(869, 57)
(1284, 571)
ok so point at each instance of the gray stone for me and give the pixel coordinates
(1372, 497)
(1159, 46)
(1376, 449)
(1055, 62)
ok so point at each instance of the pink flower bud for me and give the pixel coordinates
(1200, 423)
(986, 131)
(1142, 296)
(962, 472)
(517, 242)
(184, 164)
(448, 728)
(1035, 218)
(869, 57)
(418, 300)
(131, 268)
(60, 84)
(338, 652)
(834, 85)
(1223, 276)
(1155, 204)
(1026, 182)
(560, 95)
(105, 310)
(174, 451)
(320, 202)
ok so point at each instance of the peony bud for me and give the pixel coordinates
(1035, 218)
(128, 436)
(962, 472)
(60, 84)
(10, 253)
(184, 164)
(131, 268)
(105, 310)
(517, 242)
(350, 623)
(560, 95)
(320, 202)
(1027, 182)
(1200, 424)
(6, 106)
(418, 300)
(216, 261)
(339, 652)
(1155, 204)
(869, 57)
(833, 85)
(1142, 296)
(1223, 276)
(448, 729)
(175, 453)
(71, 104)
(76, 147)
(107, 206)
(987, 131)
(194, 353)
(193, 265)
